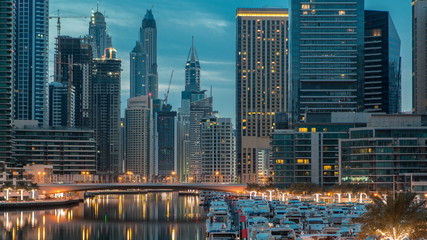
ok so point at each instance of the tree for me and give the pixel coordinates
(304, 188)
(394, 219)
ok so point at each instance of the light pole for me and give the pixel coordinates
(173, 176)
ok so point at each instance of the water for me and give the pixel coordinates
(148, 216)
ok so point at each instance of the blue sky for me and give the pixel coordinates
(212, 23)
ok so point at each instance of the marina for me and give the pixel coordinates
(233, 216)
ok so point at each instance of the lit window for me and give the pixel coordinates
(280, 161)
(305, 6)
(302, 129)
(313, 130)
(327, 167)
(341, 12)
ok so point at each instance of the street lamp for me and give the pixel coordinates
(173, 176)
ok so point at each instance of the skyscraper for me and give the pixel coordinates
(326, 57)
(148, 39)
(165, 143)
(7, 34)
(419, 44)
(73, 68)
(199, 109)
(261, 60)
(138, 85)
(99, 38)
(218, 152)
(32, 21)
(106, 110)
(382, 63)
(190, 94)
(192, 70)
(139, 136)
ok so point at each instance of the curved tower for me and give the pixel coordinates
(99, 38)
(148, 39)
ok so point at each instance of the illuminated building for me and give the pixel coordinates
(218, 150)
(381, 154)
(106, 110)
(326, 57)
(61, 105)
(309, 153)
(261, 82)
(70, 151)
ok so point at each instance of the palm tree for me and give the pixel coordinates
(394, 219)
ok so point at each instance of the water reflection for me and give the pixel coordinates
(144, 216)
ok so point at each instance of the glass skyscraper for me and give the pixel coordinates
(7, 31)
(99, 39)
(382, 64)
(32, 25)
(326, 56)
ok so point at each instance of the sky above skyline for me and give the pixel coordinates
(212, 23)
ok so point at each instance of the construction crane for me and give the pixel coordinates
(58, 23)
(169, 87)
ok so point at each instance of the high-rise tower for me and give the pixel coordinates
(192, 70)
(106, 110)
(419, 44)
(32, 21)
(326, 57)
(382, 63)
(7, 31)
(138, 85)
(99, 38)
(261, 70)
(148, 39)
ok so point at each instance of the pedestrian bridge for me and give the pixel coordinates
(61, 188)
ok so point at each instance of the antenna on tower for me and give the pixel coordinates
(97, 6)
(211, 90)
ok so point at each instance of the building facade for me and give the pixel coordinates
(326, 57)
(261, 82)
(7, 76)
(69, 151)
(98, 36)
(105, 107)
(218, 150)
(166, 143)
(382, 64)
(61, 105)
(199, 109)
(139, 147)
(419, 44)
(73, 68)
(31, 41)
(309, 153)
(386, 152)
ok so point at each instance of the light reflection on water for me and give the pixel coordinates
(148, 216)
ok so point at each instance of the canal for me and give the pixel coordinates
(150, 216)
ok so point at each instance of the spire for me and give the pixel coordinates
(148, 20)
(192, 55)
